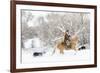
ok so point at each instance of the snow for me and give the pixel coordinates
(35, 42)
(69, 55)
(27, 43)
(49, 56)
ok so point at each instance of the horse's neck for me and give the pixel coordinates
(74, 37)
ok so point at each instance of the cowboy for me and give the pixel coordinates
(67, 38)
(68, 35)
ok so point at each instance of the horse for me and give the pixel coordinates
(67, 43)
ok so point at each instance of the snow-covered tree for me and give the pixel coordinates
(49, 26)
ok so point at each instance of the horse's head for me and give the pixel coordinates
(74, 37)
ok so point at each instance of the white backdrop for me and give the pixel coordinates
(5, 36)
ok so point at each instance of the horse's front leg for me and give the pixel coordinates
(61, 48)
(61, 51)
(74, 47)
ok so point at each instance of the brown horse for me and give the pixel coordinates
(67, 44)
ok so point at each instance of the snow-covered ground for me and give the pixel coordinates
(48, 56)
(69, 55)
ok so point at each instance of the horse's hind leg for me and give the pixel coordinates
(61, 51)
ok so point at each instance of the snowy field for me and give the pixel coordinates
(42, 32)
(69, 55)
